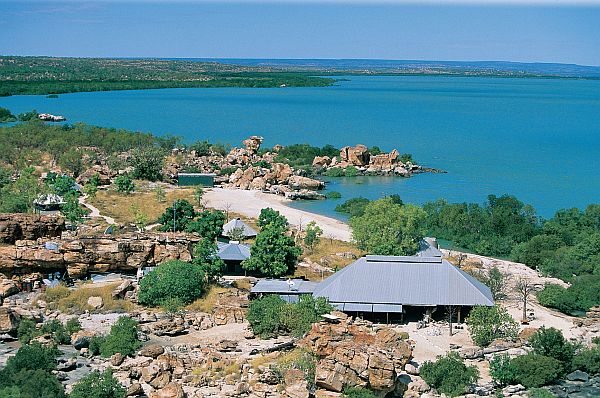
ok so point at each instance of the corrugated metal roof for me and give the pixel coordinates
(427, 250)
(283, 286)
(233, 251)
(404, 281)
(237, 223)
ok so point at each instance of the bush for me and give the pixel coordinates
(32, 384)
(299, 359)
(147, 163)
(57, 330)
(73, 325)
(449, 374)
(588, 360)
(31, 357)
(98, 385)
(489, 323)
(503, 372)
(354, 207)
(208, 225)
(357, 392)
(533, 370)
(333, 195)
(270, 316)
(124, 184)
(551, 343)
(182, 211)
(274, 253)
(171, 280)
(335, 172)
(26, 331)
(351, 171)
(540, 393)
(122, 338)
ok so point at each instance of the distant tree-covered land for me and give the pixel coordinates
(48, 75)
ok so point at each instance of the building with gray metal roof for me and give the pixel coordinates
(289, 290)
(233, 253)
(236, 223)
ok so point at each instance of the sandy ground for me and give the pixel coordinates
(250, 203)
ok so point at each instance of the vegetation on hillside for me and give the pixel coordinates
(49, 75)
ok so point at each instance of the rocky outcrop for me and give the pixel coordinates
(253, 143)
(350, 354)
(15, 227)
(355, 156)
(9, 320)
(80, 256)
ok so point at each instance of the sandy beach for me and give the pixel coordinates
(250, 203)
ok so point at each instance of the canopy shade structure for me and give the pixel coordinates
(236, 223)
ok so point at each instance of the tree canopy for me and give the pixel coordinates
(388, 228)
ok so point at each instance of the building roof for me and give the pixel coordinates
(284, 286)
(233, 251)
(196, 175)
(237, 223)
(403, 280)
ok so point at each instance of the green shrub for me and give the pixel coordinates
(533, 370)
(27, 331)
(122, 338)
(98, 385)
(299, 359)
(147, 163)
(57, 330)
(73, 325)
(354, 207)
(270, 316)
(181, 213)
(333, 195)
(95, 344)
(550, 342)
(351, 171)
(6, 116)
(588, 360)
(357, 392)
(503, 372)
(124, 184)
(449, 374)
(31, 357)
(171, 280)
(32, 384)
(335, 172)
(489, 323)
(540, 393)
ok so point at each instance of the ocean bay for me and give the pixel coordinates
(535, 138)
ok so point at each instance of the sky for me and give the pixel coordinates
(538, 31)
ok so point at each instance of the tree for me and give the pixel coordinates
(147, 163)
(502, 370)
(449, 374)
(140, 219)
(312, 235)
(236, 234)
(489, 323)
(198, 194)
(208, 224)
(550, 342)
(160, 193)
(524, 288)
(98, 385)
(178, 216)
(496, 281)
(387, 228)
(354, 207)
(122, 338)
(71, 209)
(207, 260)
(533, 370)
(124, 184)
(6, 116)
(64, 185)
(272, 217)
(172, 280)
(273, 254)
(71, 160)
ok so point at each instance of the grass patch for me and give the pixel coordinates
(242, 284)
(74, 301)
(119, 206)
(207, 302)
(325, 254)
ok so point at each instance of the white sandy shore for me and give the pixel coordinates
(250, 203)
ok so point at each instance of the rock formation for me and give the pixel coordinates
(350, 354)
(15, 227)
(98, 254)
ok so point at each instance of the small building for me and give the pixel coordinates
(237, 224)
(233, 253)
(48, 203)
(193, 179)
(289, 290)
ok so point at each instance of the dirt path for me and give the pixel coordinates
(95, 212)
(250, 203)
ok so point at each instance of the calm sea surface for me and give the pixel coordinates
(538, 139)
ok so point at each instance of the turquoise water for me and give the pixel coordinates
(536, 138)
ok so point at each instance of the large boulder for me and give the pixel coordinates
(171, 390)
(253, 143)
(7, 288)
(355, 156)
(9, 320)
(20, 226)
(350, 354)
(153, 351)
(81, 339)
(299, 182)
